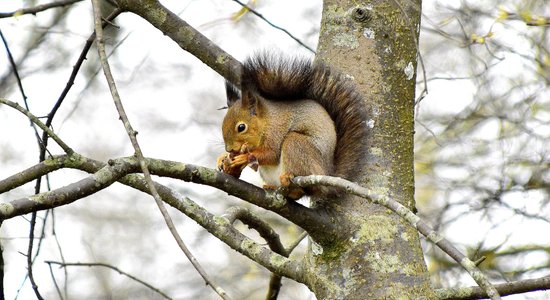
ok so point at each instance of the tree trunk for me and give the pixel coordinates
(381, 257)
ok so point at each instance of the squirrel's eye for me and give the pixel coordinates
(241, 127)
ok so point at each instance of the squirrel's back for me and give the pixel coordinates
(284, 79)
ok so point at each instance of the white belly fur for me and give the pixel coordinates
(270, 174)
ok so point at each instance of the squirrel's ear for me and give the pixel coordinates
(232, 93)
(251, 101)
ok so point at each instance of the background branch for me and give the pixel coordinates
(268, 234)
(505, 289)
(134, 278)
(36, 9)
(315, 221)
(138, 153)
(104, 175)
(275, 26)
(39, 123)
(15, 72)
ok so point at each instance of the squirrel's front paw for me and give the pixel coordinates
(289, 189)
(238, 160)
(220, 161)
(227, 164)
(286, 179)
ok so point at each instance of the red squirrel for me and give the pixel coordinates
(293, 117)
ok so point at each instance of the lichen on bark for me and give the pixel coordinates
(380, 257)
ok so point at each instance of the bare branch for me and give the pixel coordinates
(62, 264)
(275, 26)
(20, 86)
(315, 221)
(67, 194)
(105, 175)
(219, 227)
(296, 242)
(267, 233)
(43, 149)
(30, 260)
(505, 289)
(43, 142)
(37, 9)
(39, 123)
(138, 153)
(405, 213)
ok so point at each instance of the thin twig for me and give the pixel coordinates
(30, 258)
(36, 9)
(268, 234)
(77, 66)
(13, 65)
(64, 265)
(138, 153)
(414, 220)
(54, 234)
(296, 242)
(34, 42)
(36, 121)
(43, 142)
(275, 26)
(505, 289)
(55, 281)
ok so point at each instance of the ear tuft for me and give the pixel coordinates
(251, 101)
(232, 93)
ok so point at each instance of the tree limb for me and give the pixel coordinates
(103, 178)
(104, 175)
(316, 222)
(268, 234)
(505, 289)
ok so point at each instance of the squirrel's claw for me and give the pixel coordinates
(220, 161)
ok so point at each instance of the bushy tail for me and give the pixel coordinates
(284, 79)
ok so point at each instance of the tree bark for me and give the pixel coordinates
(381, 257)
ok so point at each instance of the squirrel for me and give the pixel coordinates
(293, 117)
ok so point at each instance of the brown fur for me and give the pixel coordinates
(326, 136)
